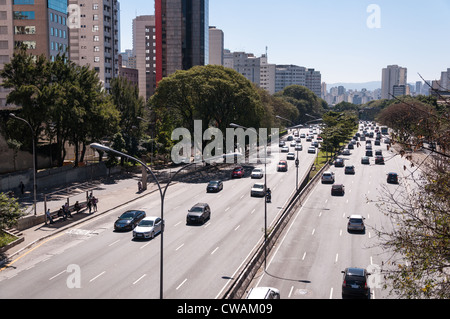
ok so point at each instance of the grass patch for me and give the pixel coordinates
(6, 239)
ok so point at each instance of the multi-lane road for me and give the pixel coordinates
(94, 261)
(316, 247)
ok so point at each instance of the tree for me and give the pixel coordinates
(307, 103)
(130, 105)
(215, 95)
(420, 240)
(10, 211)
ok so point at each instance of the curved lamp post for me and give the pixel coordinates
(162, 193)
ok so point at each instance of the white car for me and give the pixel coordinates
(263, 293)
(257, 173)
(328, 177)
(284, 149)
(148, 228)
(312, 150)
(298, 147)
(346, 151)
(290, 156)
(258, 189)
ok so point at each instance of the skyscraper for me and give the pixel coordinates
(392, 76)
(94, 36)
(182, 35)
(144, 51)
(216, 46)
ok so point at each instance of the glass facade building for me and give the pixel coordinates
(182, 35)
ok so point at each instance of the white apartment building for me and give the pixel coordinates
(289, 74)
(216, 46)
(94, 38)
(393, 75)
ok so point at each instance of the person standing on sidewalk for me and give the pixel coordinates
(48, 217)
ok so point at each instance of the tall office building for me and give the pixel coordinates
(216, 46)
(392, 76)
(313, 81)
(41, 25)
(182, 35)
(144, 51)
(94, 36)
(289, 74)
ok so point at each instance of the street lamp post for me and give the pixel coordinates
(34, 158)
(162, 193)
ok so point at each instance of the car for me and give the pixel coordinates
(392, 178)
(356, 222)
(369, 153)
(263, 293)
(349, 169)
(258, 190)
(257, 173)
(337, 189)
(214, 186)
(298, 147)
(281, 143)
(365, 160)
(327, 177)
(379, 159)
(237, 172)
(290, 156)
(129, 219)
(339, 162)
(290, 138)
(284, 149)
(346, 151)
(293, 143)
(302, 135)
(312, 150)
(315, 144)
(351, 146)
(354, 283)
(148, 228)
(378, 152)
(282, 166)
(198, 214)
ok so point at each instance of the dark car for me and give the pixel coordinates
(349, 169)
(129, 220)
(337, 189)
(392, 178)
(339, 162)
(198, 214)
(214, 186)
(237, 172)
(369, 153)
(354, 283)
(379, 159)
(365, 160)
(282, 166)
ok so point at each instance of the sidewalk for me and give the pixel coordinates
(111, 193)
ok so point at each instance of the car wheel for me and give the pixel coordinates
(152, 235)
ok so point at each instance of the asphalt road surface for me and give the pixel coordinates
(94, 261)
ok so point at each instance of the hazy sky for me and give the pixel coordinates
(346, 40)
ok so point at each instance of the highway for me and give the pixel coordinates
(93, 261)
(316, 247)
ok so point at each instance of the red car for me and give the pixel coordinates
(238, 172)
(282, 166)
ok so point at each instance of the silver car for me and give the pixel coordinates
(356, 222)
(328, 177)
(258, 189)
(148, 228)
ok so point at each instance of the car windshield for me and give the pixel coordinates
(352, 280)
(127, 215)
(214, 183)
(355, 220)
(196, 209)
(146, 223)
(258, 186)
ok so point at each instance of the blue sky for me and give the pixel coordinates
(332, 36)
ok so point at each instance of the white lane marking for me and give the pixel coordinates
(96, 277)
(181, 284)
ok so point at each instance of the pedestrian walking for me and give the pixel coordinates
(22, 187)
(89, 204)
(94, 203)
(49, 217)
